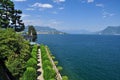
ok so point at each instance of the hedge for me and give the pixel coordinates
(49, 72)
(31, 63)
(31, 66)
(30, 74)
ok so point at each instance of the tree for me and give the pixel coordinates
(9, 16)
(6, 6)
(11, 43)
(32, 33)
(14, 51)
(16, 21)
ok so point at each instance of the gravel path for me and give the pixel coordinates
(39, 70)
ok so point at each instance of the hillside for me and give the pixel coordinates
(47, 30)
(111, 30)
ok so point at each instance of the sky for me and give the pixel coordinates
(70, 15)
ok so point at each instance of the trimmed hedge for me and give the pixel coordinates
(34, 52)
(31, 63)
(34, 55)
(49, 72)
(31, 66)
(30, 74)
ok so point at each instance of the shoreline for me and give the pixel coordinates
(51, 69)
(58, 75)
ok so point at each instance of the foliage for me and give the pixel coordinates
(32, 32)
(60, 68)
(12, 43)
(31, 66)
(35, 47)
(14, 51)
(9, 16)
(56, 62)
(34, 52)
(31, 63)
(30, 74)
(49, 72)
(47, 63)
(15, 66)
(65, 78)
(53, 57)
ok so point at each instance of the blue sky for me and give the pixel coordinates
(70, 15)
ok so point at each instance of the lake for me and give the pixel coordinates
(86, 57)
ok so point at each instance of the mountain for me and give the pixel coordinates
(81, 31)
(47, 30)
(110, 30)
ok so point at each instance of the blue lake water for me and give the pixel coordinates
(86, 57)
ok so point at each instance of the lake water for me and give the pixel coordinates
(86, 57)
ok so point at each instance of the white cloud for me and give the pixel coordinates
(54, 12)
(40, 5)
(61, 8)
(35, 22)
(86, 1)
(82, 1)
(107, 14)
(59, 1)
(90, 1)
(19, 0)
(39, 22)
(30, 9)
(100, 5)
(24, 15)
(54, 23)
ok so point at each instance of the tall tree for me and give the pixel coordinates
(32, 33)
(9, 16)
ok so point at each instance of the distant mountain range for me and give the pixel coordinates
(81, 31)
(110, 30)
(47, 30)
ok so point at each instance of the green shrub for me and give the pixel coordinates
(60, 68)
(65, 78)
(30, 74)
(31, 63)
(53, 57)
(45, 57)
(34, 54)
(56, 62)
(52, 79)
(49, 73)
(47, 63)
(35, 46)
